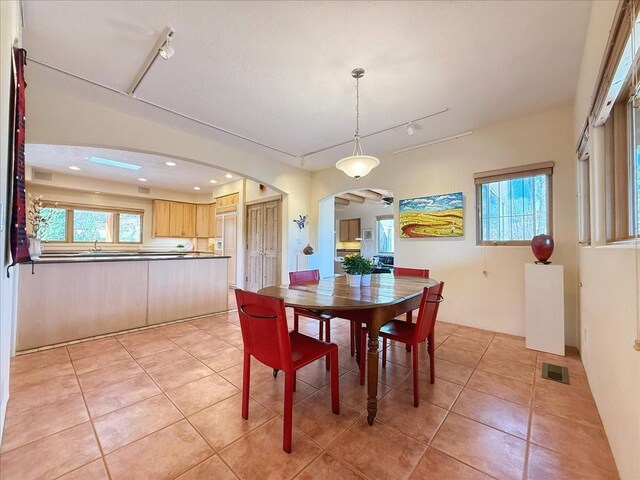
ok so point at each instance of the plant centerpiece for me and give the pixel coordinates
(39, 222)
(356, 266)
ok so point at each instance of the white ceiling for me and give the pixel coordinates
(279, 72)
(180, 178)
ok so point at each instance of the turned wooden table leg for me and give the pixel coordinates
(358, 334)
(372, 374)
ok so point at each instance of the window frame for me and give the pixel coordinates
(70, 209)
(378, 219)
(513, 173)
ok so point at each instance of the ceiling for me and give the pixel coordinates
(279, 72)
(179, 178)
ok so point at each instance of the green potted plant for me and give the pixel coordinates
(356, 267)
(366, 269)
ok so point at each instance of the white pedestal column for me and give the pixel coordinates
(544, 307)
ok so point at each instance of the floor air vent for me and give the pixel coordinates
(555, 373)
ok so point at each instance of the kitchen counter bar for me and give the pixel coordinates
(70, 299)
(119, 257)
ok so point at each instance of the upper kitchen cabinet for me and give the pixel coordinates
(227, 203)
(160, 220)
(349, 230)
(202, 221)
(189, 220)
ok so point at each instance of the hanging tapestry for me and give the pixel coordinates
(18, 240)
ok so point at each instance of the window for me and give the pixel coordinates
(514, 204)
(54, 226)
(385, 234)
(74, 224)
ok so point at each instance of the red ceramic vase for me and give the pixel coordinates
(542, 246)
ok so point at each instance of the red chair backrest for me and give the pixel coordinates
(304, 276)
(265, 333)
(410, 272)
(431, 298)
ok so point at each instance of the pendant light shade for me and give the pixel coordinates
(357, 165)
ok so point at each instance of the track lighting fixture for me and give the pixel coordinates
(166, 51)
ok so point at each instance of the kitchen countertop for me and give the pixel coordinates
(87, 257)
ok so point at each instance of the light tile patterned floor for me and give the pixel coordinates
(165, 403)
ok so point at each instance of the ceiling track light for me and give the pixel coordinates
(162, 49)
(166, 51)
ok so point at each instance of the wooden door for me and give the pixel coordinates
(229, 244)
(176, 219)
(253, 274)
(354, 229)
(202, 221)
(189, 222)
(161, 215)
(344, 231)
(271, 244)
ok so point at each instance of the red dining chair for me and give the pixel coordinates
(410, 272)
(313, 276)
(411, 334)
(266, 337)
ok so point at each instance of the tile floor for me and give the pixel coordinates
(164, 403)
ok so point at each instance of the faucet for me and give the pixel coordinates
(95, 248)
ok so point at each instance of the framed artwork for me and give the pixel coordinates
(367, 234)
(436, 216)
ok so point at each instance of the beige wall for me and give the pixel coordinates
(610, 285)
(9, 30)
(495, 301)
(61, 119)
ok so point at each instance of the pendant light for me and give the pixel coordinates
(357, 165)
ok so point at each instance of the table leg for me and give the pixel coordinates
(372, 375)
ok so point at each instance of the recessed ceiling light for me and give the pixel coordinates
(114, 163)
(73, 167)
(228, 175)
(170, 164)
(97, 193)
(196, 188)
(142, 179)
(213, 181)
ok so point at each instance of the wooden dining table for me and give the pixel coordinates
(386, 298)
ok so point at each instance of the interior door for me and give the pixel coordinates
(271, 244)
(253, 275)
(229, 244)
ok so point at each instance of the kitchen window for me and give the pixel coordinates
(385, 234)
(79, 224)
(513, 204)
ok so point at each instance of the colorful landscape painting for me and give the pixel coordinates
(433, 216)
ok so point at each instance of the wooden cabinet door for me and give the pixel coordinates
(202, 221)
(354, 229)
(189, 222)
(176, 219)
(229, 244)
(344, 231)
(218, 226)
(211, 221)
(160, 220)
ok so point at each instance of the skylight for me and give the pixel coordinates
(114, 163)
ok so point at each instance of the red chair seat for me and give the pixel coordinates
(398, 330)
(305, 349)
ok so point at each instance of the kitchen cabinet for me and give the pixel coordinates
(227, 203)
(211, 221)
(189, 220)
(176, 219)
(161, 215)
(349, 230)
(202, 221)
